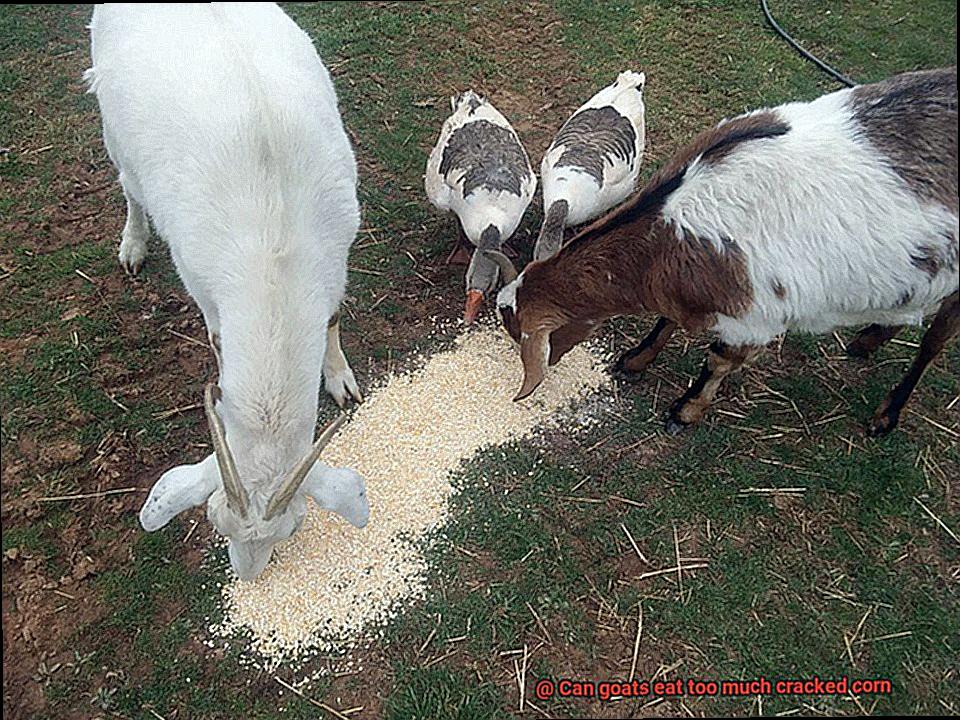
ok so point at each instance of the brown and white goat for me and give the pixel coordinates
(841, 211)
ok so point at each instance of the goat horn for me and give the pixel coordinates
(508, 272)
(285, 493)
(236, 495)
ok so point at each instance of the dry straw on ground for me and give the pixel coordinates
(331, 582)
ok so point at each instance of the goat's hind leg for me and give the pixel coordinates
(636, 360)
(869, 340)
(721, 361)
(337, 376)
(945, 325)
(133, 239)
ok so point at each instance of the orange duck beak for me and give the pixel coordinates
(472, 307)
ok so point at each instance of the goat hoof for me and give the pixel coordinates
(133, 253)
(342, 387)
(634, 362)
(622, 369)
(675, 426)
(621, 373)
(133, 267)
(343, 399)
(860, 352)
(882, 423)
(620, 366)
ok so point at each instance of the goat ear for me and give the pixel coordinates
(339, 490)
(179, 489)
(534, 352)
(566, 337)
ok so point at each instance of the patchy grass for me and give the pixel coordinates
(556, 543)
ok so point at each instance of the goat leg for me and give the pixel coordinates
(721, 361)
(945, 325)
(338, 377)
(136, 230)
(637, 359)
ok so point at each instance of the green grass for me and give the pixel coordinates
(31, 539)
(435, 693)
(536, 554)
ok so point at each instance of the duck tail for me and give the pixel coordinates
(635, 80)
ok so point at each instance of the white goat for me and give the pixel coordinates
(223, 124)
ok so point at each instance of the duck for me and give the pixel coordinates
(480, 171)
(593, 162)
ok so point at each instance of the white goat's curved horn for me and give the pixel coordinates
(508, 273)
(285, 493)
(236, 494)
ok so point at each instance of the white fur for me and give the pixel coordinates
(507, 297)
(585, 199)
(482, 207)
(223, 124)
(820, 212)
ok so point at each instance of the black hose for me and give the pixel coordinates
(839, 77)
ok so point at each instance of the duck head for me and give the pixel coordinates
(487, 268)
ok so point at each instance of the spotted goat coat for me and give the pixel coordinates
(836, 212)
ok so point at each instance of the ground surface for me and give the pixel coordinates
(101, 376)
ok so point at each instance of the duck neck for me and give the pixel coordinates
(490, 238)
(551, 234)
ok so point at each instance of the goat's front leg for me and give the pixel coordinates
(133, 239)
(337, 376)
(945, 325)
(637, 359)
(721, 361)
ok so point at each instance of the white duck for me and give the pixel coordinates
(480, 171)
(593, 162)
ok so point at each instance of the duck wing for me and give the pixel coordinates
(597, 137)
(482, 154)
